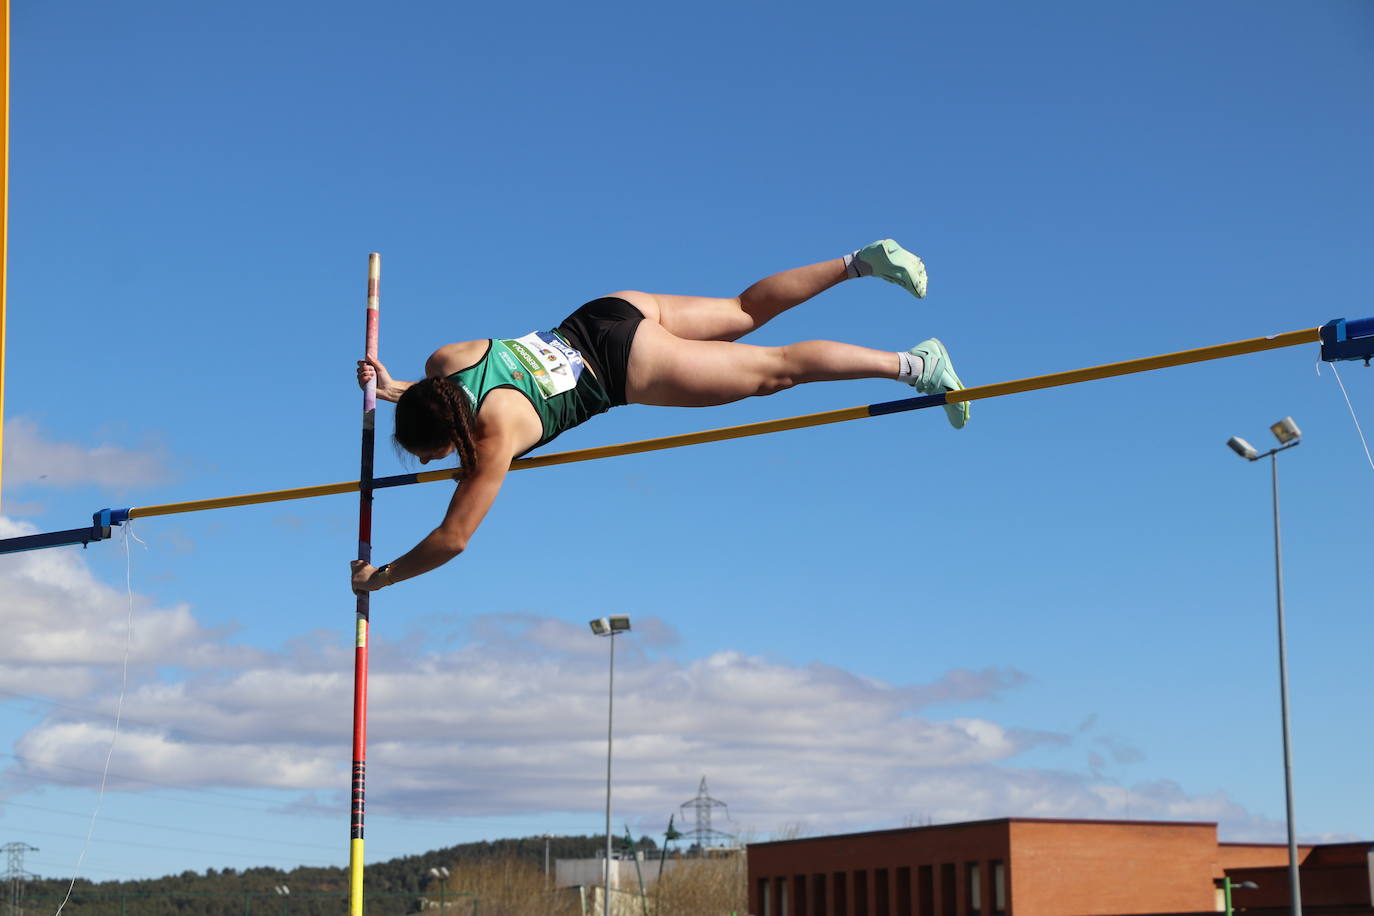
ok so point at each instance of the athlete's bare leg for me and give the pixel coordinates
(671, 371)
(706, 318)
(685, 355)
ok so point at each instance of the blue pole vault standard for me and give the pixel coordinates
(1344, 340)
(82, 536)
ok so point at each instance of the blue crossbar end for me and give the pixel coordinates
(104, 518)
(1342, 339)
(890, 407)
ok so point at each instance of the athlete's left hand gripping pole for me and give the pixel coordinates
(355, 842)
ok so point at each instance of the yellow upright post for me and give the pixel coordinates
(4, 210)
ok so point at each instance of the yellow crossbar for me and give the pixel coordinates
(520, 464)
(1145, 364)
(1071, 377)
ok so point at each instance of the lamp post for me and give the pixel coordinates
(441, 874)
(609, 627)
(1288, 436)
(283, 892)
(1227, 885)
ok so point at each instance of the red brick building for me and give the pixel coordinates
(1048, 867)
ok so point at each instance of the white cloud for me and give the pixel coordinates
(31, 458)
(164, 759)
(59, 615)
(514, 722)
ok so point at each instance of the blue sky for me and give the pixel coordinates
(1065, 609)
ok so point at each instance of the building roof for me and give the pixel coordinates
(959, 825)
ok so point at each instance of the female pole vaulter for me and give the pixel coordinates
(490, 401)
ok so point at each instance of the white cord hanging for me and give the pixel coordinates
(1353, 416)
(119, 707)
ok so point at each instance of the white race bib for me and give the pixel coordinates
(554, 366)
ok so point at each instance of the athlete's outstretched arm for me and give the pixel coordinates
(470, 503)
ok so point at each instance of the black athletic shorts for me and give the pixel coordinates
(602, 330)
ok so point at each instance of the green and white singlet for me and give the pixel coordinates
(548, 371)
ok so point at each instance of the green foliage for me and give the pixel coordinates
(392, 887)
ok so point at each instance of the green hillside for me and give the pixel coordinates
(392, 887)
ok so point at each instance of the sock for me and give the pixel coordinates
(853, 267)
(912, 367)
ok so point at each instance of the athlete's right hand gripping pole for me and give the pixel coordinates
(355, 841)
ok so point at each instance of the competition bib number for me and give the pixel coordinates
(554, 366)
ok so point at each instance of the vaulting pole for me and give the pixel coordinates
(355, 840)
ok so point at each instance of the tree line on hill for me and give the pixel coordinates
(392, 887)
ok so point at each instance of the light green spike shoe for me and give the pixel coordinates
(895, 264)
(938, 376)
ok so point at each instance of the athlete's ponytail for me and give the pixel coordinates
(433, 413)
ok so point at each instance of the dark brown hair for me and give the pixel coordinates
(432, 413)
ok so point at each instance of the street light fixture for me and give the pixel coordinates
(1286, 431)
(1227, 886)
(609, 627)
(1288, 436)
(441, 874)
